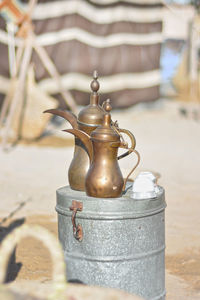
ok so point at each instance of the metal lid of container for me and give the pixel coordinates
(124, 207)
(93, 113)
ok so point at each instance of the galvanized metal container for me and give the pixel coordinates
(118, 242)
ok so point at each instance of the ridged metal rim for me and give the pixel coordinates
(109, 216)
(160, 297)
(87, 125)
(115, 258)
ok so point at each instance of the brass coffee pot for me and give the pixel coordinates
(88, 119)
(104, 178)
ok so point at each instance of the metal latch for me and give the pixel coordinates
(77, 229)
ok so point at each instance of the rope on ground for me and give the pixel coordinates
(59, 269)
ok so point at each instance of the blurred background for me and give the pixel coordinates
(147, 54)
(143, 50)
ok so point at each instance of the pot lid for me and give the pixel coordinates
(106, 132)
(93, 113)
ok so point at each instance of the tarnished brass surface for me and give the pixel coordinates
(88, 119)
(104, 178)
(84, 138)
(94, 167)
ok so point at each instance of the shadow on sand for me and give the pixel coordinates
(13, 267)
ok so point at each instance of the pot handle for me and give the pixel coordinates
(129, 174)
(124, 144)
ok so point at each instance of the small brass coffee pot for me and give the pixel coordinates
(88, 119)
(104, 178)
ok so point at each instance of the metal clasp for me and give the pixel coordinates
(77, 229)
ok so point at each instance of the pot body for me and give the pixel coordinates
(104, 178)
(122, 244)
(80, 163)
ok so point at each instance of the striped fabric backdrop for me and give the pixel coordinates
(121, 39)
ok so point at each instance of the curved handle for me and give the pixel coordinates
(129, 174)
(49, 240)
(77, 229)
(124, 144)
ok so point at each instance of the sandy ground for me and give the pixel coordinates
(169, 145)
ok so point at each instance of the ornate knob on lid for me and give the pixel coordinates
(93, 113)
(95, 84)
(107, 106)
(107, 116)
(105, 132)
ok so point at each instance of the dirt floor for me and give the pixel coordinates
(168, 142)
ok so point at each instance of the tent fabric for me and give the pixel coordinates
(120, 39)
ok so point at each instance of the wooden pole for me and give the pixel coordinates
(13, 79)
(19, 92)
(51, 69)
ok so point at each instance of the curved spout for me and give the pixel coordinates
(85, 139)
(67, 115)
